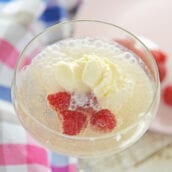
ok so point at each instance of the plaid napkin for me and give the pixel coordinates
(19, 152)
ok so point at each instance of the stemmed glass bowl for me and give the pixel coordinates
(39, 127)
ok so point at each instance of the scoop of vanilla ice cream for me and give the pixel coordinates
(97, 75)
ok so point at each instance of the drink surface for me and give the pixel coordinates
(114, 75)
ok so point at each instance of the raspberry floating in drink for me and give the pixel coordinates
(59, 101)
(103, 120)
(73, 122)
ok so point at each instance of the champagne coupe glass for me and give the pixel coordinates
(37, 118)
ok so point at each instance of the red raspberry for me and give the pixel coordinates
(162, 72)
(73, 122)
(103, 120)
(59, 101)
(167, 95)
(159, 56)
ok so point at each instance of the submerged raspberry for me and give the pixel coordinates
(103, 120)
(59, 101)
(73, 122)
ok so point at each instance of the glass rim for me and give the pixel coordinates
(92, 138)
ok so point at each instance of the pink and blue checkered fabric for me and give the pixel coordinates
(20, 153)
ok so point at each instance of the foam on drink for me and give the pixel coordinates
(126, 98)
